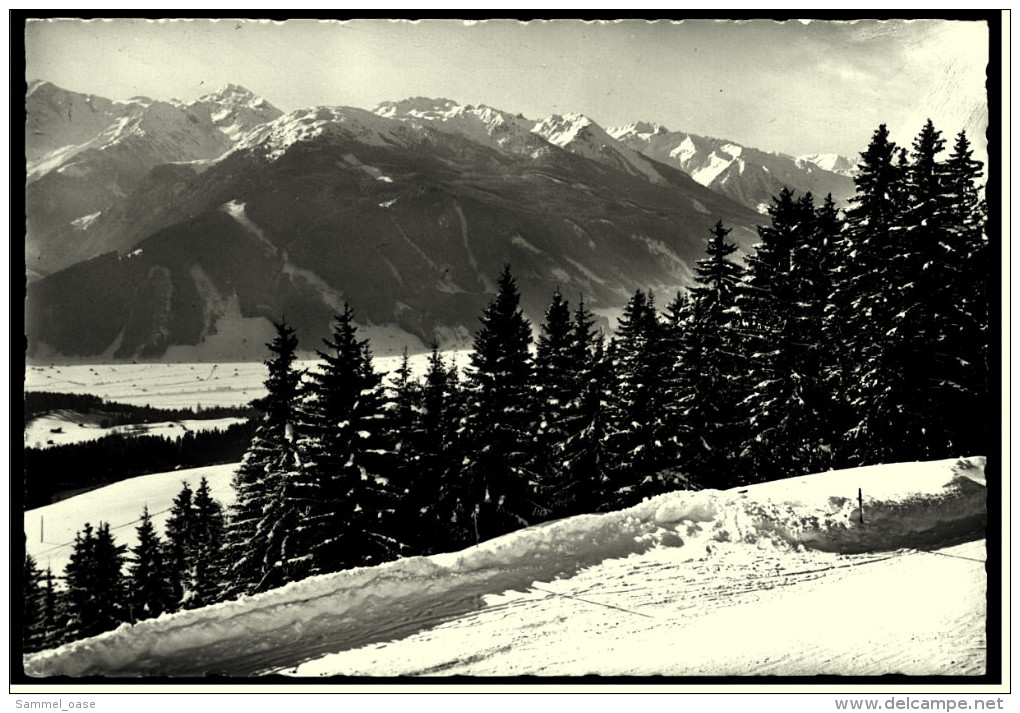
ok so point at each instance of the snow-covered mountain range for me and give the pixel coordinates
(745, 174)
(185, 221)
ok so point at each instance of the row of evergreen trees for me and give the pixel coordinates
(104, 585)
(843, 340)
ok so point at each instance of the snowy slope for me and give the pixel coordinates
(684, 567)
(482, 124)
(833, 162)
(580, 135)
(50, 530)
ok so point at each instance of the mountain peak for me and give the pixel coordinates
(420, 107)
(234, 95)
(638, 128)
(564, 129)
(230, 91)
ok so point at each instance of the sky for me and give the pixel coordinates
(796, 87)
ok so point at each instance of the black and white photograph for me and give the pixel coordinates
(502, 350)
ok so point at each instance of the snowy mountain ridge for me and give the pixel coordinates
(810, 522)
(835, 163)
(745, 174)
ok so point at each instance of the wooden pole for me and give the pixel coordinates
(860, 504)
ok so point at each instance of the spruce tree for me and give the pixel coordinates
(782, 305)
(180, 548)
(966, 228)
(210, 525)
(497, 490)
(432, 454)
(32, 610)
(643, 434)
(908, 331)
(270, 457)
(149, 592)
(554, 388)
(711, 365)
(95, 582)
(52, 629)
(584, 480)
(862, 304)
(346, 499)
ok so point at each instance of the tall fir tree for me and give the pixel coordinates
(907, 330)
(644, 429)
(788, 408)
(966, 215)
(861, 304)
(555, 384)
(584, 479)
(497, 487)
(711, 368)
(149, 592)
(179, 548)
(431, 453)
(403, 416)
(347, 500)
(210, 526)
(271, 457)
(95, 582)
(32, 608)
(53, 625)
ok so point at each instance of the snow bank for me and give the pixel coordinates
(905, 505)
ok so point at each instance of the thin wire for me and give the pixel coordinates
(588, 601)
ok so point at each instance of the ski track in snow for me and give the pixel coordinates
(778, 578)
(658, 614)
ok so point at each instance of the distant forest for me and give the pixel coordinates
(40, 403)
(71, 468)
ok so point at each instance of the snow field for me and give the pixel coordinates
(694, 535)
(50, 530)
(188, 385)
(660, 613)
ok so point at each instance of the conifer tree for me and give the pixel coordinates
(95, 582)
(404, 413)
(584, 480)
(42, 614)
(180, 547)
(52, 630)
(966, 227)
(149, 592)
(207, 556)
(643, 435)
(861, 301)
(432, 455)
(32, 610)
(907, 330)
(497, 488)
(782, 305)
(554, 388)
(711, 363)
(270, 457)
(345, 498)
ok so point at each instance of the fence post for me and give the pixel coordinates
(860, 504)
